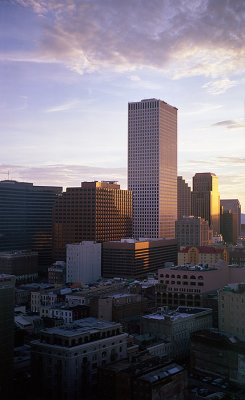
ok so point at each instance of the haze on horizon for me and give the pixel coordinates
(70, 67)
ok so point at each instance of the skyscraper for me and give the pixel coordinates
(231, 219)
(152, 167)
(97, 211)
(26, 218)
(184, 198)
(205, 199)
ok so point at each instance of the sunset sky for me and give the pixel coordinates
(68, 69)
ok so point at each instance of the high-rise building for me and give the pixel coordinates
(96, 211)
(193, 231)
(230, 220)
(7, 287)
(183, 198)
(205, 199)
(152, 167)
(26, 218)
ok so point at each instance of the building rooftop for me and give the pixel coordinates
(235, 287)
(85, 325)
(162, 373)
(179, 313)
(203, 249)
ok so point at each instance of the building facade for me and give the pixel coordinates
(83, 262)
(177, 325)
(26, 218)
(22, 263)
(7, 287)
(96, 211)
(231, 309)
(205, 255)
(193, 231)
(66, 358)
(131, 258)
(152, 167)
(230, 220)
(183, 198)
(205, 199)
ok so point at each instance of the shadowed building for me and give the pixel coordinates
(152, 167)
(230, 220)
(7, 287)
(96, 211)
(26, 218)
(205, 199)
(184, 198)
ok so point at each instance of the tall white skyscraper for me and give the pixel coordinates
(152, 167)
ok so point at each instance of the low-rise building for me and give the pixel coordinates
(57, 273)
(177, 325)
(202, 255)
(232, 309)
(66, 358)
(144, 377)
(189, 284)
(218, 354)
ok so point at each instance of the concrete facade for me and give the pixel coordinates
(193, 231)
(66, 358)
(83, 262)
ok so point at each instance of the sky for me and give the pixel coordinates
(68, 69)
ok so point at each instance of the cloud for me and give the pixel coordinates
(64, 107)
(229, 124)
(231, 160)
(219, 86)
(182, 38)
(62, 174)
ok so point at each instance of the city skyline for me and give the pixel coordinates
(69, 69)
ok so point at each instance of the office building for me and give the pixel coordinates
(83, 262)
(193, 231)
(65, 359)
(152, 167)
(230, 220)
(205, 199)
(7, 287)
(96, 211)
(26, 218)
(183, 198)
(22, 263)
(131, 258)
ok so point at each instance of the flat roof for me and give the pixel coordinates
(85, 325)
(162, 373)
